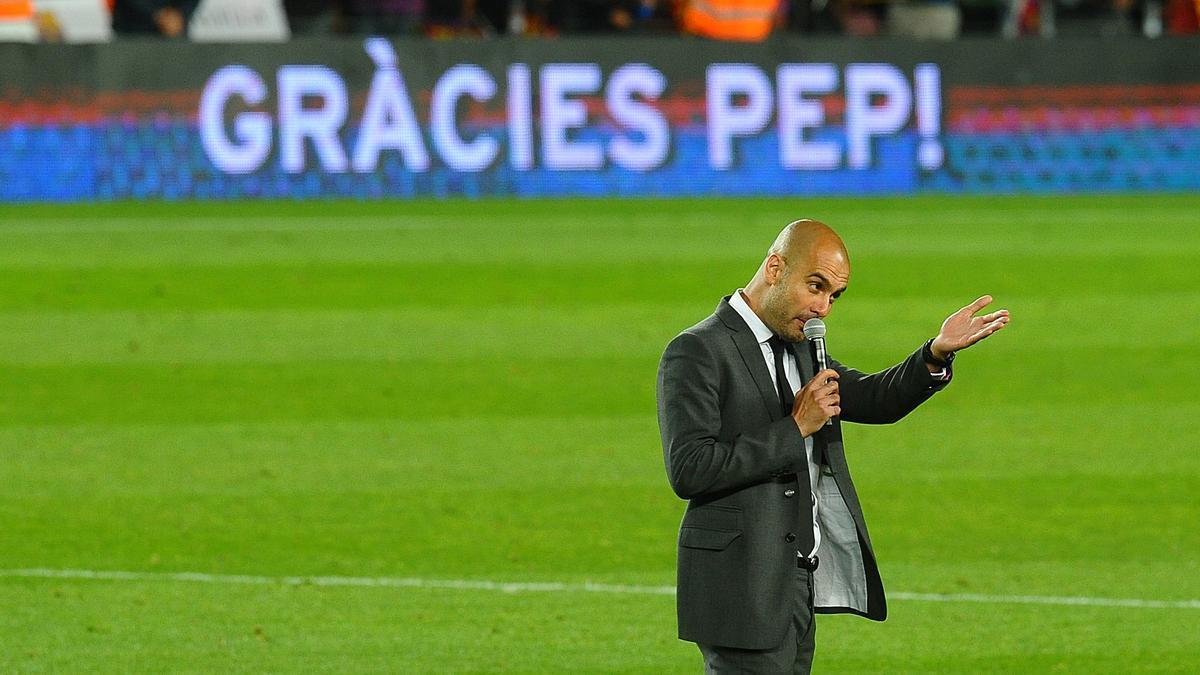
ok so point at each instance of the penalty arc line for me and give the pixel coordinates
(549, 587)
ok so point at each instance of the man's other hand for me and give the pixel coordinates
(817, 402)
(963, 329)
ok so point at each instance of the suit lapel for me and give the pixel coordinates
(752, 356)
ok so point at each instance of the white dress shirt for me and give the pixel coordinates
(791, 371)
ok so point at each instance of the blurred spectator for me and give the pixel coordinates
(1090, 18)
(1182, 16)
(48, 27)
(540, 17)
(809, 16)
(315, 17)
(17, 21)
(924, 19)
(739, 20)
(450, 18)
(168, 18)
(619, 16)
(386, 17)
(860, 18)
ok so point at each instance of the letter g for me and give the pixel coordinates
(252, 130)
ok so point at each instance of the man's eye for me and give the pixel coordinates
(815, 286)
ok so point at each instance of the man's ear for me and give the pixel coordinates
(773, 269)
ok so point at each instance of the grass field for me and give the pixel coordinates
(465, 391)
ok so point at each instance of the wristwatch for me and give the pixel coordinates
(927, 355)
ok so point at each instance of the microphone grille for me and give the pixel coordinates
(814, 328)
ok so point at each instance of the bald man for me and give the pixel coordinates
(751, 435)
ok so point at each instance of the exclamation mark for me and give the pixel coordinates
(928, 84)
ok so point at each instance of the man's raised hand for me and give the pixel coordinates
(963, 329)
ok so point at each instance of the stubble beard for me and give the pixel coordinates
(778, 317)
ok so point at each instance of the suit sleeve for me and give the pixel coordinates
(886, 396)
(689, 418)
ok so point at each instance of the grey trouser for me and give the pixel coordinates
(794, 655)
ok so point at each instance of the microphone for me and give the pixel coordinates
(814, 332)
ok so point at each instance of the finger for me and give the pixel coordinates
(987, 330)
(821, 379)
(988, 318)
(980, 303)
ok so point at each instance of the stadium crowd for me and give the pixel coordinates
(749, 20)
(743, 20)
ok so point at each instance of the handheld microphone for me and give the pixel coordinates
(814, 333)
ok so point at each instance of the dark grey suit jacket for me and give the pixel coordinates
(731, 454)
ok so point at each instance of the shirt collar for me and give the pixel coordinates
(757, 327)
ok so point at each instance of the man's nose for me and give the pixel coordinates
(820, 306)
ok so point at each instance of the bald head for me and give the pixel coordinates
(801, 236)
(806, 270)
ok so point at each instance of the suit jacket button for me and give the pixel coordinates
(790, 537)
(789, 493)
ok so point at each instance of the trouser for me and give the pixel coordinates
(793, 655)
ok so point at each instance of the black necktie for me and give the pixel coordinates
(786, 400)
(786, 397)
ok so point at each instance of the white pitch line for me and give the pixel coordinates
(550, 587)
(1047, 600)
(374, 582)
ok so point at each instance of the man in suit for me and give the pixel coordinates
(751, 436)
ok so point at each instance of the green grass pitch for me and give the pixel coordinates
(465, 391)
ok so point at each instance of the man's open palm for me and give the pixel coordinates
(963, 329)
